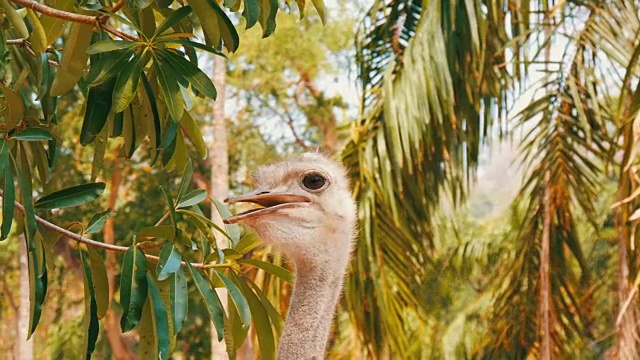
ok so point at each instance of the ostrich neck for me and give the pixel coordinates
(315, 294)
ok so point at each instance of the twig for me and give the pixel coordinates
(117, 6)
(55, 228)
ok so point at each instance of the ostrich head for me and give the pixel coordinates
(306, 212)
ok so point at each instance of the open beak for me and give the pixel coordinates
(270, 202)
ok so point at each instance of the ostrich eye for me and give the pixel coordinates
(314, 181)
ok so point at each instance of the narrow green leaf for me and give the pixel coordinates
(276, 270)
(98, 106)
(192, 198)
(91, 323)
(160, 320)
(97, 222)
(32, 134)
(179, 298)
(197, 45)
(171, 20)
(127, 83)
(133, 287)
(111, 45)
(185, 181)
(170, 205)
(192, 131)
(262, 323)
(238, 299)
(4, 154)
(100, 282)
(211, 300)
(170, 261)
(73, 196)
(154, 111)
(168, 83)
(45, 78)
(8, 202)
(198, 79)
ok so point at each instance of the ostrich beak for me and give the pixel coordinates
(270, 202)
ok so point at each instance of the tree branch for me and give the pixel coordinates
(55, 228)
(79, 18)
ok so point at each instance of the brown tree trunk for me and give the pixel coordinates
(545, 280)
(119, 347)
(24, 347)
(219, 162)
(627, 341)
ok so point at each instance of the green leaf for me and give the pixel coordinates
(73, 196)
(108, 66)
(91, 323)
(154, 111)
(251, 12)
(170, 204)
(248, 242)
(262, 323)
(173, 19)
(97, 222)
(211, 300)
(232, 230)
(267, 19)
(98, 107)
(228, 32)
(276, 270)
(238, 299)
(170, 261)
(8, 202)
(160, 320)
(319, 5)
(198, 79)
(197, 45)
(192, 130)
(32, 134)
(133, 287)
(111, 45)
(179, 297)
(192, 198)
(185, 181)
(168, 83)
(4, 154)
(205, 221)
(127, 83)
(100, 282)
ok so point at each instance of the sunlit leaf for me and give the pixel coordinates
(192, 198)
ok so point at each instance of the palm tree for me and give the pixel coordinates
(438, 81)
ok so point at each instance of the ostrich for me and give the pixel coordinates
(308, 214)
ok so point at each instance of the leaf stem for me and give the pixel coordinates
(55, 228)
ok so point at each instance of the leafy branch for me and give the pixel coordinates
(81, 239)
(99, 21)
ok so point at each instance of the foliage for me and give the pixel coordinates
(117, 78)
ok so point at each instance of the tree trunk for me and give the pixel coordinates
(24, 347)
(119, 348)
(545, 280)
(627, 341)
(219, 162)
